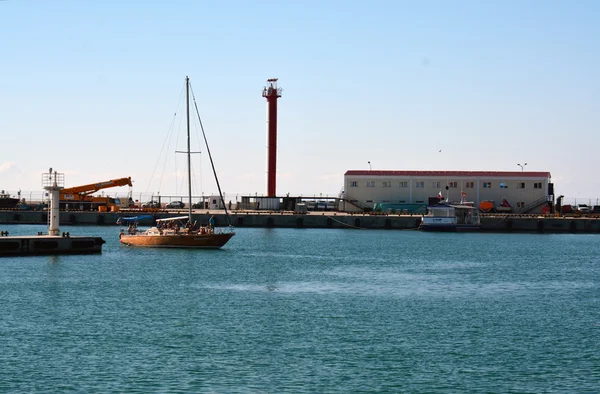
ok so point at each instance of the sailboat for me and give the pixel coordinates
(180, 232)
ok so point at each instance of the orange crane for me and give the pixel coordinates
(81, 196)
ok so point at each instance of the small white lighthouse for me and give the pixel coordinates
(54, 183)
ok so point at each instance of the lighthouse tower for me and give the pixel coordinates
(271, 92)
(53, 182)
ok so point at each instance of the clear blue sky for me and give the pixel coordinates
(90, 88)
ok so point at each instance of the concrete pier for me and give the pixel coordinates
(52, 242)
(49, 244)
(489, 223)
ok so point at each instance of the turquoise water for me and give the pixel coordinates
(290, 310)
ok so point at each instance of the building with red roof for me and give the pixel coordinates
(524, 191)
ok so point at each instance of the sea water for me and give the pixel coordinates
(307, 310)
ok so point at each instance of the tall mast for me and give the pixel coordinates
(187, 107)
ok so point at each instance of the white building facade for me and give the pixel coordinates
(525, 191)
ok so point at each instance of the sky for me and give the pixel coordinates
(91, 89)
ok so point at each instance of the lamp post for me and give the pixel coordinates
(522, 166)
(369, 165)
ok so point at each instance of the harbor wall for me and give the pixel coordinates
(498, 223)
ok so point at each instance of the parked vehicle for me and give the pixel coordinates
(151, 204)
(199, 205)
(583, 208)
(567, 209)
(596, 209)
(176, 204)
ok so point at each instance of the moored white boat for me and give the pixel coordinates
(450, 217)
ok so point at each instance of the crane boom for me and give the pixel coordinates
(85, 190)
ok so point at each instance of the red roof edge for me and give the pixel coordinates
(534, 174)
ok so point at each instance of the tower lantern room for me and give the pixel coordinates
(271, 92)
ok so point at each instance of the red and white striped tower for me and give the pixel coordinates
(271, 92)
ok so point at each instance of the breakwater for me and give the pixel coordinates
(491, 223)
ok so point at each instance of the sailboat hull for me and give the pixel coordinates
(194, 241)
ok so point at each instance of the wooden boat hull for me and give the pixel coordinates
(192, 241)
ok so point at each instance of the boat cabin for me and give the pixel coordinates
(445, 216)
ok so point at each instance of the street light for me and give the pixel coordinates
(522, 166)
(369, 165)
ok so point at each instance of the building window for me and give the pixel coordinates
(487, 185)
(387, 184)
(537, 185)
(503, 185)
(403, 184)
(435, 185)
(521, 185)
(520, 204)
(469, 185)
(353, 183)
(402, 201)
(420, 202)
(370, 183)
(453, 185)
(420, 184)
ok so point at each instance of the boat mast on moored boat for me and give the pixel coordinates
(182, 235)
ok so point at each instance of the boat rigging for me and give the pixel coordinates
(169, 233)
